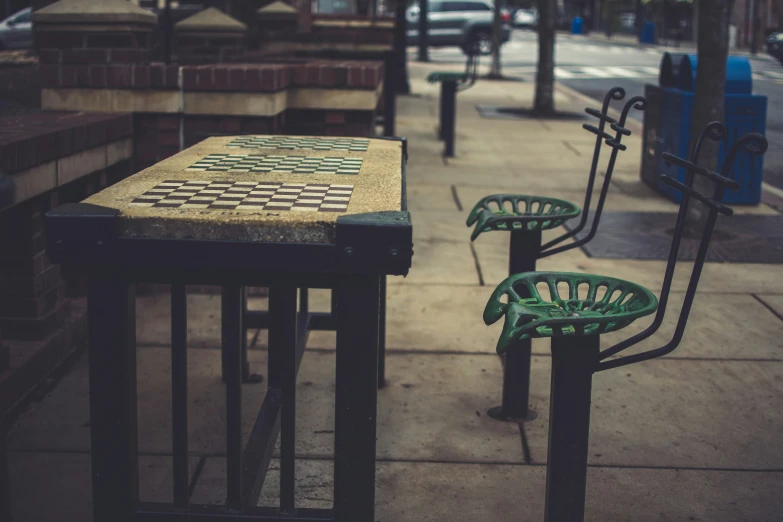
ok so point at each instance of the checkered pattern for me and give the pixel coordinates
(247, 195)
(290, 143)
(264, 163)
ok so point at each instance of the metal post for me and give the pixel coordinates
(167, 29)
(523, 252)
(754, 26)
(573, 361)
(355, 399)
(5, 482)
(449, 93)
(232, 332)
(283, 341)
(389, 95)
(179, 393)
(423, 31)
(442, 111)
(111, 310)
(382, 335)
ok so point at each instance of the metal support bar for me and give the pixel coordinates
(573, 360)
(232, 333)
(113, 421)
(179, 393)
(448, 93)
(283, 341)
(259, 449)
(382, 335)
(523, 253)
(5, 481)
(355, 399)
(263, 437)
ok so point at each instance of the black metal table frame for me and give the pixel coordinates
(367, 247)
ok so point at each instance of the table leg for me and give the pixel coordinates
(232, 333)
(573, 362)
(523, 253)
(355, 402)
(113, 422)
(382, 335)
(282, 351)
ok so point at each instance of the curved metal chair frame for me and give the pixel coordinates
(576, 321)
(520, 215)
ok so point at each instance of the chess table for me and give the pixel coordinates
(285, 212)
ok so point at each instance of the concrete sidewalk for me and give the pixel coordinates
(692, 436)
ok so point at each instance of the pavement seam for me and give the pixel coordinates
(478, 265)
(443, 461)
(768, 307)
(456, 197)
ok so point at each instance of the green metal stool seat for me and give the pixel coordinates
(575, 309)
(513, 211)
(450, 84)
(606, 305)
(526, 216)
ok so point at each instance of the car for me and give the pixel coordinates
(465, 24)
(526, 18)
(775, 46)
(16, 31)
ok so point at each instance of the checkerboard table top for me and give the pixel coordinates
(258, 188)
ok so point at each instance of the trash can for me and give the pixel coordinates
(671, 123)
(647, 36)
(576, 25)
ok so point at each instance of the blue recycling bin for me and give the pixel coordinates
(576, 25)
(744, 112)
(647, 36)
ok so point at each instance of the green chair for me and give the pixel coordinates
(525, 217)
(533, 306)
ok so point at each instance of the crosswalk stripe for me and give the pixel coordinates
(650, 70)
(758, 77)
(563, 74)
(621, 72)
(774, 74)
(595, 71)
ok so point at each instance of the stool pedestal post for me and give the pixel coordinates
(524, 249)
(573, 362)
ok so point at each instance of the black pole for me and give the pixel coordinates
(167, 28)
(523, 253)
(449, 93)
(573, 361)
(423, 31)
(754, 24)
(400, 49)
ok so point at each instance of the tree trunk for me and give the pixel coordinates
(495, 70)
(544, 104)
(713, 49)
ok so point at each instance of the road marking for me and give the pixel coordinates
(563, 74)
(758, 77)
(774, 74)
(650, 70)
(595, 71)
(621, 72)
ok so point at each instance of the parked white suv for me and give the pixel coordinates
(466, 24)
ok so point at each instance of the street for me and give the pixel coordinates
(592, 67)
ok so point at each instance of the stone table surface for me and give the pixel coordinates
(259, 188)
